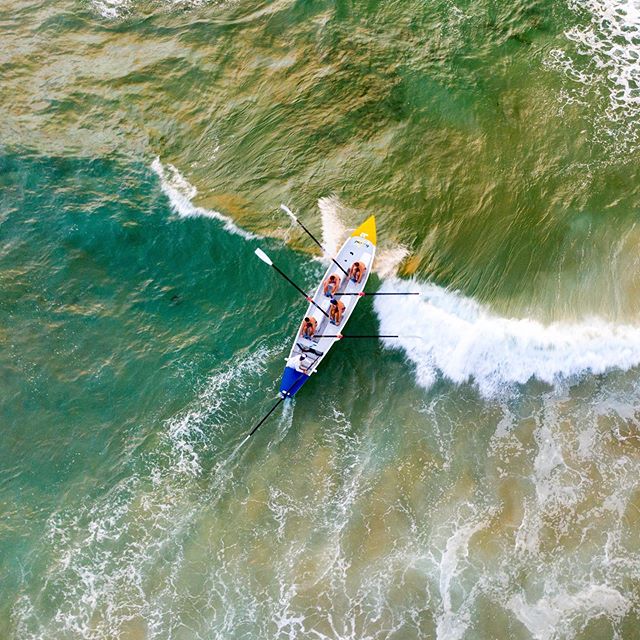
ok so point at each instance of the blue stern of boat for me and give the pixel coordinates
(292, 381)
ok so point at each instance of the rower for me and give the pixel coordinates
(298, 362)
(336, 311)
(331, 285)
(309, 326)
(357, 271)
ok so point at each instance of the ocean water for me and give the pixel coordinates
(475, 479)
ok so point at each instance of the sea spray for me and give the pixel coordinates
(335, 230)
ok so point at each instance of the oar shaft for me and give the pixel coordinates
(275, 406)
(293, 284)
(362, 294)
(317, 242)
(340, 336)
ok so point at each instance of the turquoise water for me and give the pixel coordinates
(474, 479)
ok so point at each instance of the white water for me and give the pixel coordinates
(114, 9)
(181, 194)
(612, 41)
(105, 553)
(557, 614)
(111, 9)
(605, 62)
(447, 335)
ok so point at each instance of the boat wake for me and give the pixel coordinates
(461, 341)
(181, 194)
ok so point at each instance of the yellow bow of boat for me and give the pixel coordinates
(367, 230)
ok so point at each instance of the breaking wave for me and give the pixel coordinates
(448, 335)
(181, 193)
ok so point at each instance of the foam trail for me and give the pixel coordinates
(181, 193)
(284, 423)
(464, 342)
(453, 622)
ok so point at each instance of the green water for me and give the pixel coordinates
(476, 479)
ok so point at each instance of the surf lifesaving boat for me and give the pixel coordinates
(359, 247)
(307, 353)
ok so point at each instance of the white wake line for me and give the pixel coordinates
(181, 193)
(464, 342)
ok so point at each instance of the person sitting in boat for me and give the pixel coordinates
(336, 311)
(309, 326)
(298, 362)
(357, 271)
(331, 285)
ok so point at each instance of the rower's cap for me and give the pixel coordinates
(333, 301)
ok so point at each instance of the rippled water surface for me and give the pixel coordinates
(474, 479)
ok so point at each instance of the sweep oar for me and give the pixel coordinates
(267, 260)
(275, 406)
(290, 214)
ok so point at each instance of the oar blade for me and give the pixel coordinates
(288, 212)
(264, 257)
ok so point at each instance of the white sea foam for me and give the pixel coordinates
(181, 193)
(445, 334)
(104, 553)
(612, 41)
(555, 615)
(454, 620)
(111, 9)
(606, 59)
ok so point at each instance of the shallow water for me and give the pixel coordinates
(476, 478)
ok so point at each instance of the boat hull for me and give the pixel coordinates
(292, 382)
(359, 246)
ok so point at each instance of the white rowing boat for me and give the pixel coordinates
(360, 247)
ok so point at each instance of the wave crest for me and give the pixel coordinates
(181, 192)
(448, 335)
